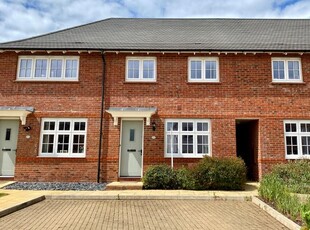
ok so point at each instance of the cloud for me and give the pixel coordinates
(24, 18)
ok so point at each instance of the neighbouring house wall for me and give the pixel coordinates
(80, 99)
(245, 91)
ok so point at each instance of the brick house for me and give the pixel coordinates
(105, 100)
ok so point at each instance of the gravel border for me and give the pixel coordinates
(64, 186)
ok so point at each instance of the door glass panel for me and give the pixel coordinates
(132, 135)
(8, 134)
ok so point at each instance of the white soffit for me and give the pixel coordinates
(131, 112)
(15, 112)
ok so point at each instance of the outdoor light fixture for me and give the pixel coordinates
(27, 128)
(153, 125)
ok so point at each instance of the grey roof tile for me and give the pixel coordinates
(177, 34)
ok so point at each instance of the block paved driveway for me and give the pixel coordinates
(140, 214)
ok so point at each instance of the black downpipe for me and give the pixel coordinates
(101, 116)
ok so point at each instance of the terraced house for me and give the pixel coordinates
(104, 101)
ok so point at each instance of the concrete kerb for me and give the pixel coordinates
(275, 214)
(20, 206)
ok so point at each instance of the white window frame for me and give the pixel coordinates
(57, 132)
(286, 75)
(141, 59)
(48, 73)
(195, 133)
(297, 134)
(203, 69)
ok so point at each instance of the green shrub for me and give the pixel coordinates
(219, 174)
(160, 177)
(295, 175)
(305, 214)
(277, 187)
(271, 187)
(185, 178)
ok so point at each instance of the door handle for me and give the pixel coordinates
(7, 150)
(131, 150)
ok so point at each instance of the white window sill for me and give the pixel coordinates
(187, 156)
(45, 80)
(61, 156)
(140, 81)
(287, 82)
(297, 157)
(204, 80)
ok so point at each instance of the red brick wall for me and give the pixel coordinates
(60, 100)
(245, 91)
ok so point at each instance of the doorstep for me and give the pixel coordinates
(124, 185)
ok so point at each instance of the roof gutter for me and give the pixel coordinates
(101, 117)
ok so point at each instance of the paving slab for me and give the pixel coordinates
(141, 214)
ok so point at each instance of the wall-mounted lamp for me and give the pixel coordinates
(27, 128)
(153, 125)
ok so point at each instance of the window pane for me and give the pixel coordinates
(64, 125)
(210, 69)
(25, 68)
(290, 127)
(304, 127)
(48, 143)
(293, 70)
(305, 142)
(196, 70)
(278, 69)
(133, 69)
(202, 126)
(148, 69)
(78, 143)
(202, 144)
(187, 144)
(63, 144)
(187, 126)
(79, 126)
(49, 125)
(172, 126)
(71, 68)
(40, 68)
(56, 68)
(291, 145)
(174, 139)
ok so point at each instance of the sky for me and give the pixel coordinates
(21, 19)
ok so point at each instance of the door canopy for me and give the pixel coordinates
(9, 112)
(131, 112)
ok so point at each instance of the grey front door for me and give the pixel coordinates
(8, 144)
(131, 149)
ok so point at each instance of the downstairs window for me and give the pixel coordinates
(297, 139)
(63, 137)
(187, 138)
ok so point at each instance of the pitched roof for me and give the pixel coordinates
(177, 35)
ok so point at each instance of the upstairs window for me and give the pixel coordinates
(203, 69)
(297, 139)
(141, 69)
(46, 68)
(286, 70)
